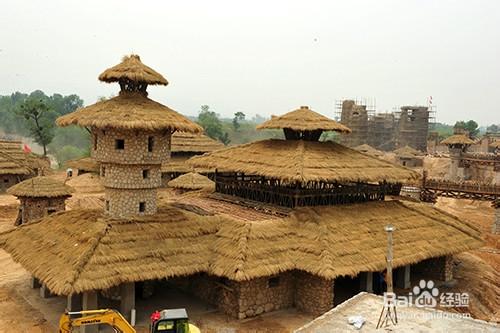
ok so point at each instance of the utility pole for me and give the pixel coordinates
(389, 310)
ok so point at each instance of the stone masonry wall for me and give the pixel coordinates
(130, 176)
(135, 149)
(35, 208)
(313, 294)
(438, 269)
(123, 203)
(266, 294)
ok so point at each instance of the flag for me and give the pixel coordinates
(26, 149)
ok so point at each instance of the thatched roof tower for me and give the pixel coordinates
(39, 196)
(457, 140)
(304, 124)
(301, 170)
(131, 137)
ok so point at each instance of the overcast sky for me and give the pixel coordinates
(264, 57)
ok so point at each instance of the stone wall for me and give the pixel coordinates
(313, 294)
(437, 269)
(35, 208)
(135, 149)
(123, 203)
(266, 294)
(130, 176)
(7, 181)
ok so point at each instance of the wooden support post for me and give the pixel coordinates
(35, 283)
(74, 302)
(89, 302)
(127, 303)
(366, 282)
(403, 277)
(45, 292)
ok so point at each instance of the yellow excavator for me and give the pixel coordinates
(166, 321)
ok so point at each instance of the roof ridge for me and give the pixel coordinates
(459, 221)
(89, 253)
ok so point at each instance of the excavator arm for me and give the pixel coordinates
(95, 317)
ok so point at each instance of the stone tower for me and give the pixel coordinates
(39, 196)
(413, 127)
(457, 146)
(130, 138)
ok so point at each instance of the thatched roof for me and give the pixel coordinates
(495, 144)
(9, 166)
(408, 152)
(457, 139)
(178, 164)
(367, 149)
(129, 110)
(87, 164)
(40, 186)
(195, 143)
(304, 119)
(132, 69)
(191, 181)
(76, 251)
(303, 161)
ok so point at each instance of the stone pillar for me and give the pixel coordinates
(313, 294)
(403, 277)
(366, 281)
(89, 302)
(45, 292)
(35, 283)
(127, 299)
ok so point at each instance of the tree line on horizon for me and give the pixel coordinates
(33, 115)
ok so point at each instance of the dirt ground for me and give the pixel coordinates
(21, 310)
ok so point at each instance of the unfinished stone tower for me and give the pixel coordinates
(39, 196)
(354, 117)
(131, 138)
(413, 127)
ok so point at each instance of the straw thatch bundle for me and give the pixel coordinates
(195, 143)
(130, 110)
(40, 186)
(457, 139)
(495, 144)
(339, 240)
(81, 250)
(192, 181)
(303, 161)
(367, 149)
(407, 152)
(87, 164)
(304, 119)
(132, 69)
(9, 166)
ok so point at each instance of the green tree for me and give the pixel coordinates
(68, 153)
(39, 120)
(470, 126)
(493, 128)
(238, 117)
(212, 125)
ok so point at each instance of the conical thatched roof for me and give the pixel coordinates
(87, 164)
(191, 181)
(457, 139)
(304, 119)
(129, 110)
(132, 69)
(40, 186)
(81, 250)
(367, 149)
(407, 152)
(196, 143)
(303, 161)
